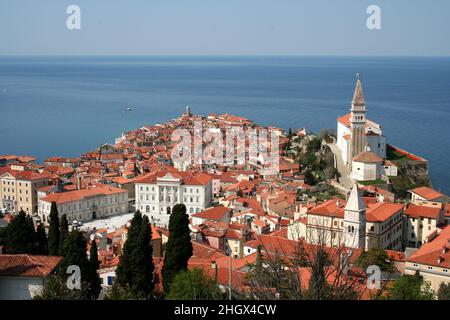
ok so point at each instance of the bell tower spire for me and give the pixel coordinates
(357, 121)
(355, 220)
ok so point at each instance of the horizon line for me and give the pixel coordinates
(229, 55)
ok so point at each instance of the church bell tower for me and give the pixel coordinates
(355, 220)
(357, 122)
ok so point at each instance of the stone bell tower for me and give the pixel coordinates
(357, 122)
(355, 220)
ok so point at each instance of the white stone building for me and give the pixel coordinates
(156, 194)
(95, 201)
(349, 133)
(336, 222)
(22, 276)
(367, 166)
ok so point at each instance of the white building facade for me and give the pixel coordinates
(157, 194)
(372, 133)
(94, 202)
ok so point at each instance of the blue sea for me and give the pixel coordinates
(69, 105)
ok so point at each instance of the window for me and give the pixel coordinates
(110, 280)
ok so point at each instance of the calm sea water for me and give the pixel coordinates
(67, 106)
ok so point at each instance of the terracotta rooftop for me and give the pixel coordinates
(215, 214)
(416, 211)
(368, 157)
(435, 252)
(76, 195)
(427, 193)
(382, 211)
(25, 265)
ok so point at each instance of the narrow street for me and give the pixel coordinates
(344, 178)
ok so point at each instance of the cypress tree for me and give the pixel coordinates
(20, 235)
(63, 232)
(41, 240)
(94, 265)
(75, 254)
(135, 269)
(178, 247)
(124, 271)
(53, 232)
(143, 277)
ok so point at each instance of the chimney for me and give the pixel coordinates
(78, 182)
(59, 186)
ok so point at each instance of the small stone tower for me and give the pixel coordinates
(355, 220)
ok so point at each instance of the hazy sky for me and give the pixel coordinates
(225, 27)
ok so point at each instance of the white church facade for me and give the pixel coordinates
(361, 141)
(352, 223)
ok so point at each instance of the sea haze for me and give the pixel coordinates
(69, 105)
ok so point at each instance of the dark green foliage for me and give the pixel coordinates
(117, 292)
(193, 285)
(135, 270)
(375, 256)
(41, 240)
(178, 247)
(314, 145)
(53, 232)
(444, 291)
(56, 289)
(290, 133)
(74, 248)
(63, 232)
(309, 178)
(94, 264)
(410, 287)
(20, 235)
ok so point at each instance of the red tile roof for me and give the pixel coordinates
(215, 214)
(435, 252)
(332, 208)
(367, 157)
(76, 195)
(427, 193)
(25, 265)
(415, 211)
(382, 211)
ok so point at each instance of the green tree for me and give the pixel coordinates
(375, 256)
(20, 235)
(410, 287)
(53, 232)
(63, 232)
(178, 247)
(75, 254)
(41, 240)
(135, 269)
(193, 285)
(309, 178)
(314, 145)
(55, 288)
(444, 291)
(93, 278)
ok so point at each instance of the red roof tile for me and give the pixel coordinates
(25, 265)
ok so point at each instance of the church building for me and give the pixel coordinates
(360, 140)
